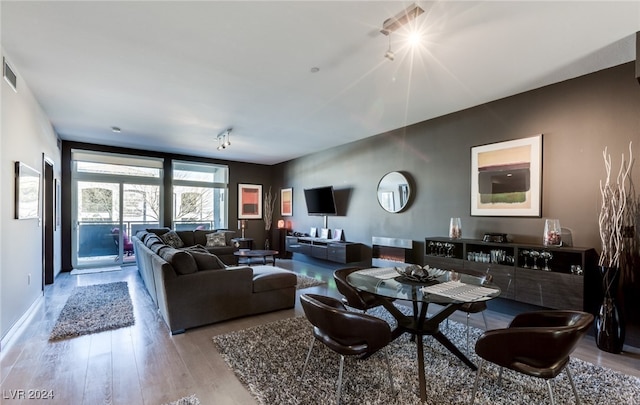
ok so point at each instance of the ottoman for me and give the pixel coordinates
(273, 288)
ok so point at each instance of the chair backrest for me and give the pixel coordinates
(346, 332)
(540, 339)
(353, 297)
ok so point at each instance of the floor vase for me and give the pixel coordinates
(609, 325)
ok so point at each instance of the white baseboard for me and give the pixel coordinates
(20, 324)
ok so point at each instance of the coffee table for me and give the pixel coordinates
(249, 254)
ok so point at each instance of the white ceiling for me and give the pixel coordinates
(174, 75)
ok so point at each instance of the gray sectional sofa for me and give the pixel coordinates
(192, 287)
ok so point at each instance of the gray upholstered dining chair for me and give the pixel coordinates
(347, 333)
(538, 344)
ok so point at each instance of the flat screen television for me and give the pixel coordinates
(320, 201)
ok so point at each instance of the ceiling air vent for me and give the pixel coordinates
(9, 76)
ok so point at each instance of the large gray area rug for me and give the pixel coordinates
(268, 359)
(94, 308)
(306, 282)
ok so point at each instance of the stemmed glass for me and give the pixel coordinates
(534, 255)
(525, 255)
(449, 247)
(546, 255)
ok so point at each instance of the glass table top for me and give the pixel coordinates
(445, 287)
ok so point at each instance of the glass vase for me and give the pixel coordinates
(455, 228)
(552, 233)
(609, 325)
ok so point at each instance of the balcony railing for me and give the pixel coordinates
(100, 238)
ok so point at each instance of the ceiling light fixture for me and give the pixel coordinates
(405, 16)
(389, 54)
(224, 139)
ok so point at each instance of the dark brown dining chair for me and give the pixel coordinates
(353, 298)
(345, 332)
(536, 343)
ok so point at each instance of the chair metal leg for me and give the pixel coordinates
(475, 384)
(486, 325)
(468, 316)
(573, 386)
(340, 379)
(313, 340)
(550, 392)
(386, 357)
(500, 377)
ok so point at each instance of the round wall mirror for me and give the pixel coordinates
(394, 192)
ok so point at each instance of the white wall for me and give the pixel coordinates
(26, 134)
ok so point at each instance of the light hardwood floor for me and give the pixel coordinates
(144, 364)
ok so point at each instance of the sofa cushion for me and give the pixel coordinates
(155, 247)
(204, 259)
(151, 239)
(172, 239)
(181, 261)
(268, 278)
(216, 239)
(228, 235)
(158, 231)
(187, 237)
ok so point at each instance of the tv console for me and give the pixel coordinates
(325, 249)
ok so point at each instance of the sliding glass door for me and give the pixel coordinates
(114, 197)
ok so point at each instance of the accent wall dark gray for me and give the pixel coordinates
(578, 118)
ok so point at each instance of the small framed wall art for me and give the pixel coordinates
(286, 202)
(506, 178)
(249, 201)
(27, 192)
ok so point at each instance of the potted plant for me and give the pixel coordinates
(612, 223)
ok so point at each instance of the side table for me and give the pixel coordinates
(243, 243)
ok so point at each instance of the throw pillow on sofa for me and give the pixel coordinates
(216, 239)
(181, 261)
(204, 259)
(172, 239)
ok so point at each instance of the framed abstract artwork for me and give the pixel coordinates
(286, 202)
(506, 178)
(249, 201)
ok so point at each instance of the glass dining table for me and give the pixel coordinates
(449, 289)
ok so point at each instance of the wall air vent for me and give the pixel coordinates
(9, 76)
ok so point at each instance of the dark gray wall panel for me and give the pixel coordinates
(578, 118)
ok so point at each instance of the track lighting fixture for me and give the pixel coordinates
(405, 16)
(224, 139)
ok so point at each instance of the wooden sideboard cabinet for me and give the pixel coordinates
(325, 249)
(552, 277)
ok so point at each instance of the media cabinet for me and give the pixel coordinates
(325, 249)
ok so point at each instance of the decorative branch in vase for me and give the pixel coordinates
(612, 223)
(269, 204)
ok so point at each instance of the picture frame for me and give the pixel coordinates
(27, 192)
(249, 201)
(286, 202)
(58, 199)
(338, 234)
(506, 178)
